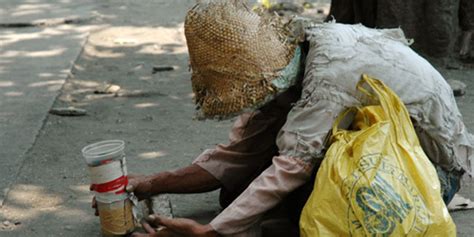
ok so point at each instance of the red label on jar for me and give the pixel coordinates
(115, 184)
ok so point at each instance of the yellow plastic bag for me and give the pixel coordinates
(376, 180)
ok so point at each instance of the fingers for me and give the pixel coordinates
(165, 232)
(152, 232)
(178, 225)
(136, 234)
(94, 202)
(154, 219)
(130, 187)
(94, 205)
(148, 228)
(161, 233)
(132, 183)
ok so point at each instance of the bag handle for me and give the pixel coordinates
(340, 117)
(392, 106)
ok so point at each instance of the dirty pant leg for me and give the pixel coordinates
(342, 11)
(440, 18)
(450, 184)
(466, 15)
(365, 12)
(450, 181)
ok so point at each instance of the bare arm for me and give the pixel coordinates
(190, 179)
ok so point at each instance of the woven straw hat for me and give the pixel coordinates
(234, 55)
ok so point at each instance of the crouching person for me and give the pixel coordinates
(287, 96)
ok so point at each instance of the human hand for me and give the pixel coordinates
(178, 227)
(139, 184)
(94, 206)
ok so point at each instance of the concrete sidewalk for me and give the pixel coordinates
(153, 112)
(49, 193)
(39, 43)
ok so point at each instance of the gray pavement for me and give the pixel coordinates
(124, 39)
(48, 180)
(45, 11)
(34, 64)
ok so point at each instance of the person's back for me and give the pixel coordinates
(339, 54)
